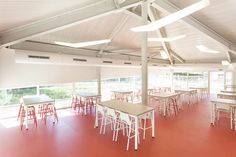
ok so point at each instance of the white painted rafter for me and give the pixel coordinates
(62, 21)
(153, 17)
(113, 34)
(167, 6)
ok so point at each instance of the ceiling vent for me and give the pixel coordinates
(38, 57)
(79, 60)
(110, 62)
(129, 63)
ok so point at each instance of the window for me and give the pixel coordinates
(198, 79)
(216, 81)
(180, 80)
(89, 86)
(128, 83)
(12, 96)
(229, 78)
(161, 79)
(62, 91)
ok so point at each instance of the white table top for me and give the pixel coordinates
(37, 99)
(87, 94)
(122, 91)
(227, 91)
(163, 95)
(227, 94)
(186, 90)
(198, 87)
(132, 109)
(224, 101)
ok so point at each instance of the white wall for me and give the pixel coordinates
(116, 72)
(13, 75)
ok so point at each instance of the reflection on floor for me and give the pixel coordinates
(188, 134)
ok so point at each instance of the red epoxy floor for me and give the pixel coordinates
(187, 135)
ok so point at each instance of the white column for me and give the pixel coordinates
(209, 81)
(144, 54)
(224, 80)
(99, 80)
(38, 91)
(73, 88)
(234, 78)
(187, 80)
(172, 80)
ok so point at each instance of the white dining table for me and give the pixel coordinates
(134, 110)
(123, 93)
(33, 100)
(190, 93)
(87, 96)
(163, 96)
(226, 104)
(227, 95)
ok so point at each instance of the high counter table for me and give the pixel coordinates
(134, 110)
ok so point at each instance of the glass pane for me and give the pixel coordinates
(88, 86)
(12, 96)
(217, 81)
(198, 79)
(161, 79)
(229, 79)
(62, 91)
(180, 80)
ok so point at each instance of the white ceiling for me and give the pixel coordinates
(15, 13)
(219, 16)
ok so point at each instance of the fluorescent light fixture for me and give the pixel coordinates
(203, 48)
(167, 39)
(225, 62)
(172, 17)
(164, 55)
(83, 44)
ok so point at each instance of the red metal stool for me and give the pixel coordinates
(31, 115)
(49, 110)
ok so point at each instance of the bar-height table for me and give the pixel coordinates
(165, 97)
(201, 90)
(123, 93)
(191, 93)
(228, 91)
(87, 96)
(36, 100)
(227, 96)
(134, 110)
(224, 104)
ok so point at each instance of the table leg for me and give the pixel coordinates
(136, 133)
(85, 107)
(96, 118)
(26, 122)
(234, 118)
(231, 118)
(164, 107)
(212, 113)
(153, 123)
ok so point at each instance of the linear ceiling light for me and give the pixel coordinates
(83, 44)
(172, 17)
(203, 48)
(164, 55)
(167, 39)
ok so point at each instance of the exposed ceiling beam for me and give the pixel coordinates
(96, 9)
(168, 7)
(177, 56)
(113, 34)
(154, 16)
(48, 47)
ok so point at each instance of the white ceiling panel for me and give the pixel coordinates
(14, 13)
(220, 15)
